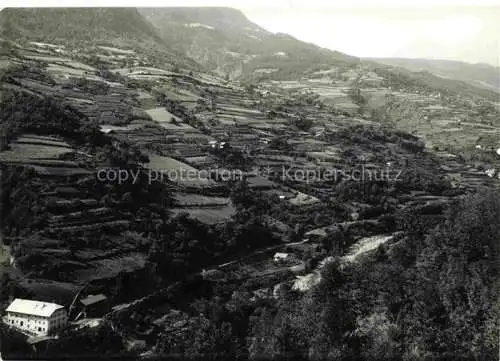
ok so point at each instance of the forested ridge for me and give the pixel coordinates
(429, 296)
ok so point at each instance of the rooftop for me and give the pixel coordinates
(281, 255)
(92, 299)
(35, 308)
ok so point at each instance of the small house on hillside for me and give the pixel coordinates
(94, 305)
(281, 257)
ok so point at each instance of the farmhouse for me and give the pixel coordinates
(280, 257)
(94, 305)
(36, 318)
(317, 233)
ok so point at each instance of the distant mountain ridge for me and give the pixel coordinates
(220, 39)
(480, 74)
(224, 40)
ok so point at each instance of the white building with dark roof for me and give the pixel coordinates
(36, 318)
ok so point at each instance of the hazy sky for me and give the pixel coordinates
(467, 30)
(463, 33)
(447, 32)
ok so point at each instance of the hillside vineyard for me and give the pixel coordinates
(183, 183)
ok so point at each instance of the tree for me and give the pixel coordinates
(303, 123)
(379, 336)
(355, 94)
(250, 88)
(486, 109)
(280, 143)
(241, 194)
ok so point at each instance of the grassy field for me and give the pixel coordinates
(29, 154)
(109, 268)
(208, 215)
(108, 127)
(447, 132)
(48, 59)
(60, 171)
(158, 162)
(59, 69)
(177, 171)
(49, 289)
(54, 60)
(39, 151)
(143, 95)
(41, 140)
(328, 154)
(29, 147)
(229, 108)
(192, 200)
(149, 71)
(163, 117)
(116, 50)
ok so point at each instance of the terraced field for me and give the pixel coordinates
(164, 119)
(32, 149)
(177, 171)
(87, 236)
(195, 200)
(207, 215)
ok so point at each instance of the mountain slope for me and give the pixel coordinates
(76, 27)
(402, 78)
(224, 40)
(77, 24)
(483, 75)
